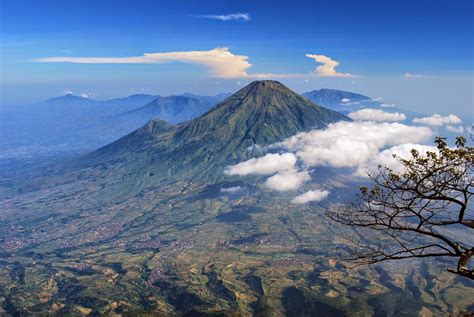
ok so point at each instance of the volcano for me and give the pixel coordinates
(262, 113)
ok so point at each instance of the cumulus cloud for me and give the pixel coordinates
(345, 100)
(349, 144)
(310, 195)
(287, 180)
(456, 129)
(377, 115)
(227, 17)
(386, 159)
(328, 67)
(265, 165)
(438, 120)
(359, 145)
(220, 61)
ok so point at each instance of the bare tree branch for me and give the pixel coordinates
(420, 212)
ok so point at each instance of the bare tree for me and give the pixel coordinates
(420, 212)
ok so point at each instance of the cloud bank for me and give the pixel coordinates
(438, 120)
(349, 144)
(310, 195)
(376, 115)
(360, 145)
(328, 67)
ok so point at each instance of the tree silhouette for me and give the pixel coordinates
(420, 212)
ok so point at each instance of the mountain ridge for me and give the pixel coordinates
(262, 113)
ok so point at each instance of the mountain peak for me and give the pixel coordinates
(259, 86)
(68, 98)
(261, 113)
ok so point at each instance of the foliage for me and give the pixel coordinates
(420, 212)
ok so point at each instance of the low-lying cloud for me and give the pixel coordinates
(358, 145)
(231, 190)
(287, 180)
(438, 120)
(348, 144)
(265, 165)
(376, 115)
(385, 158)
(455, 129)
(310, 195)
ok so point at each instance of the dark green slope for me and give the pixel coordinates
(262, 113)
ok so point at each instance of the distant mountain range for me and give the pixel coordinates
(340, 100)
(173, 109)
(71, 124)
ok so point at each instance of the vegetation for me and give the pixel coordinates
(420, 212)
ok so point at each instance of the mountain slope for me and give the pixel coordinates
(70, 124)
(340, 100)
(262, 113)
(172, 109)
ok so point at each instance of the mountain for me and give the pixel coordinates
(340, 100)
(262, 113)
(130, 102)
(346, 102)
(173, 109)
(150, 225)
(71, 124)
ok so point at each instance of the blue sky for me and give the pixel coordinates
(378, 41)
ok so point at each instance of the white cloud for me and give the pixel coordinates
(377, 115)
(386, 159)
(345, 100)
(310, 195)
(410, 75)
(220, 61)
(328, 69)
(438, 120)
(231, 190)
(358, 144)
(287, 180)
(227, 17)
(456, 129)
(387, 105)
(68, 92)
(87, 95)
(349, 144)
(265, 165)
